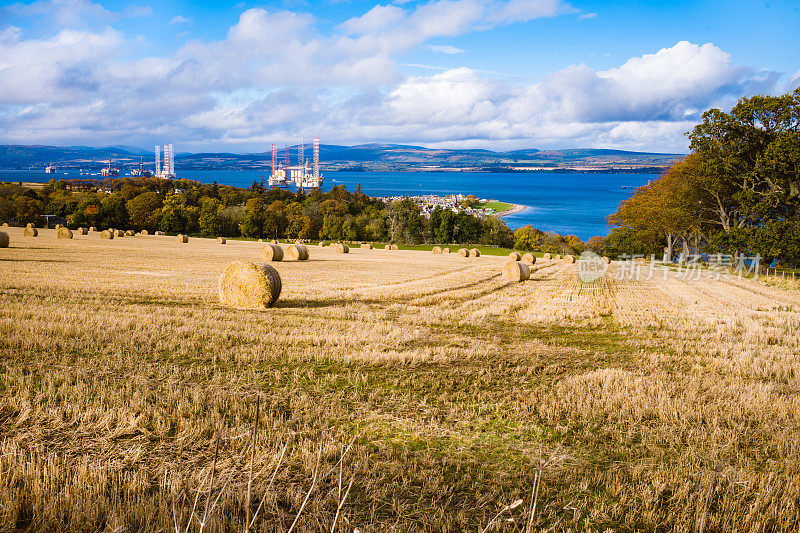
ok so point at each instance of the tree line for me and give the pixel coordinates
(738, 191)
(211, 210)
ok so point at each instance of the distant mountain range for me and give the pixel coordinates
(333, 157)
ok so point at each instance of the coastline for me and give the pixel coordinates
(515, 209)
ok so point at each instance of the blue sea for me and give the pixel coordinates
(570, 203)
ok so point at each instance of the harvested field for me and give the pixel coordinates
(648, 402)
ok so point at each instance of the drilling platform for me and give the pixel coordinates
(302, 174)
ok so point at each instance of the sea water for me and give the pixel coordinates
(569, 203)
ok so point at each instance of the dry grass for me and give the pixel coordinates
(643, 403)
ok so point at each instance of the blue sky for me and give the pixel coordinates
(498, 74)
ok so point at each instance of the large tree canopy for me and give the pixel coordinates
(739, 189)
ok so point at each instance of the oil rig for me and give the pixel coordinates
(168, 169)
(302, 174)
(109, 171)
(141, 172)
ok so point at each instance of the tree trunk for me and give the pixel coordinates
(668, 251)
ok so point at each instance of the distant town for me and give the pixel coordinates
(457, 203)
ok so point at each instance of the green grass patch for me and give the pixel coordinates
(497, 206)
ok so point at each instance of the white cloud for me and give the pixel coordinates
(180, 19)
(445, 49)
(587, 16)
(525, 10)
(376, 19)
(59, 69)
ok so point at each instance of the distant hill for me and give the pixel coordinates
(333, 157)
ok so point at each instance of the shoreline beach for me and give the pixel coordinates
(515, 209)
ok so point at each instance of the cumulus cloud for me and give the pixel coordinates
(60, 69)
(274, 76)
(649, 101)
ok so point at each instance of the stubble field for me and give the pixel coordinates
(439, 394)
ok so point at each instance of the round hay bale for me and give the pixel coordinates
(514, 256)
(366, 246)
(437, 250)
(81, 231)
(342, 248)
(260, 240)
(246, 285)
(118, 233)
(30, 231)
(463, 252)
(558, 257)
(445, 250)
(183, 239)
(64, 233)
(272, 252)
(569, 259)
(5, 224)
(29, 225)
(274, 241)
(606, 259)
(221, 240)
(322, 244)
(395, 247)
(4, 240)
(516, 271)
(296, 252)
(106, 234)
(547, 257)
(474, 253)
(159, 233)
(92, 228)
(529, 259)
(387, 247)
(130, 233)
(144, 232)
